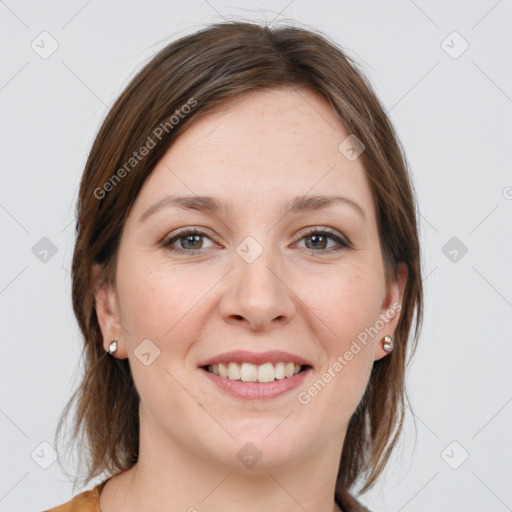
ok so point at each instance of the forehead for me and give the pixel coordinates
(261, 149)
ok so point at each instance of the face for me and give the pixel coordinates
(264, 274)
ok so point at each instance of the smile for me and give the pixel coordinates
(255, 389)
(248, 372)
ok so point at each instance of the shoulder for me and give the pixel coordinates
(87, 501)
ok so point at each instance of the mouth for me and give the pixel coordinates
(256, 376)
(262, 373)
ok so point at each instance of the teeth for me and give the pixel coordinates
(233, 371)
(266, 372)
(248, 372)
(223, 370)
(280, 373)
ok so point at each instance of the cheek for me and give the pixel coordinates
(347, 301)
(158, 302)
(162, 306)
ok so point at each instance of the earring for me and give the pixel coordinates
(387, 343)
(112, 347)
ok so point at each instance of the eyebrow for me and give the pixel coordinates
(211, 205)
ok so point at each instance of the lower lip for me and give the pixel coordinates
(257, 390)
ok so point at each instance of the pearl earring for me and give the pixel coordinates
(112, 347)
(387, 343)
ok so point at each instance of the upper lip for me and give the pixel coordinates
(257, 358)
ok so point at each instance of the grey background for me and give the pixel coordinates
(452, 111)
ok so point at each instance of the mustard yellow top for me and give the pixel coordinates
(87, 501)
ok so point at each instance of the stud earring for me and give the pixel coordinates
(112, 347)
(387, 343)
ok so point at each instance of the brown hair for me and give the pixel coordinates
(207, 69)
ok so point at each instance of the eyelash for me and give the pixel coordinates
(342, 243)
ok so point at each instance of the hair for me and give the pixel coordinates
(206, 70)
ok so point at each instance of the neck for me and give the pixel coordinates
(173, 477)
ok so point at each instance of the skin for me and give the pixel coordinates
(255, 154)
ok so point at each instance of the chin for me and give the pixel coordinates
(257, 445)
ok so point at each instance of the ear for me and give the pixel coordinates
(391, 307)
(107, 311)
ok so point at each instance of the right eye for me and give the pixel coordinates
(190, 241)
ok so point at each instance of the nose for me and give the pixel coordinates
(257, 294)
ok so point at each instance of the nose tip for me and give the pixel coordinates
(257, 295)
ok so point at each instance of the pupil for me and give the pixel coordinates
(317, 237)
(190, 239)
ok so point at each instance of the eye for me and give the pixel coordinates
(189, 240)
(317, 240)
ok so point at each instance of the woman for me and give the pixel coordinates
(246, 274)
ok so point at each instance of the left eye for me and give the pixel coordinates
(319, 240)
